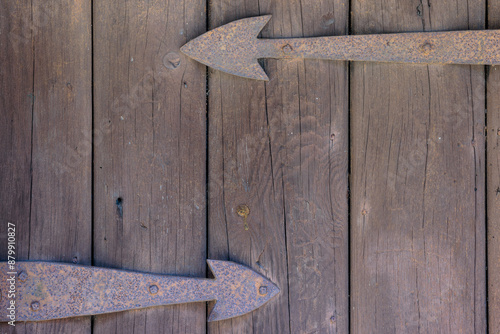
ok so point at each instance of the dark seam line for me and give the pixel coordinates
(486, 74)
(33, 98)
(92, 207)
(485, 179)
(207, 165)
(349, 234)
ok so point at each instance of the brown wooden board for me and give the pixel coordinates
(281, 148)
(45, 131)
(417, 200)
(493, 180)
(149, 153)
(493, 191)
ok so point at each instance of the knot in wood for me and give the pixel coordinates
(243, 211)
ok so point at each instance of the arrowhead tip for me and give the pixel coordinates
(240, 290)
(232, 48)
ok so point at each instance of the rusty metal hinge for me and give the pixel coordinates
(234, 48)
(47, 290)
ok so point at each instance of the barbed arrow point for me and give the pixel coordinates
(239, 290)
(231, 48)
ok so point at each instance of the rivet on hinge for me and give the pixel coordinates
(35, 306)
(153, 289)
(23, 276)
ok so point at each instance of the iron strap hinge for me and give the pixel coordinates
(234, 48)
(47, 290)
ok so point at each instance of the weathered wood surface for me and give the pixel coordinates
(307, 108)
(493, 180)
(16, 87)
(45, 131)
(418, 163)
(281, 148)
(149, 153)
(416, 141)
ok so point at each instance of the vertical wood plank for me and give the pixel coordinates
(149, 163)
(16, 103)
(493, 180)
(307, 108)
(241, 174)
(46, 113)
(281, 148)
(417, 214)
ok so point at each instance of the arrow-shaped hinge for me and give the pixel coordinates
(46, 290)
(234, 48)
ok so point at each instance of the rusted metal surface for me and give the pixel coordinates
(46, 290)
(234, 48)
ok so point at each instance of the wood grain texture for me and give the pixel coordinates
(282, 149)
(149, 161)
(417, 200)
(307, 109)
(493, 180)
(493, 191)
(16, 87)
(16, 104)
(46, 112)
(241, 172)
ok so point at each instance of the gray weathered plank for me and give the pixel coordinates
(149, 161)
(241, 173)
(16, 90)
(417, 214)
(46, 113)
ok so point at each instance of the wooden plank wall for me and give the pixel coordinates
(107, 162)
(45, 136)
(418, 165)
(149, 153)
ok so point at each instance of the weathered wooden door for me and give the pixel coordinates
(371, 189)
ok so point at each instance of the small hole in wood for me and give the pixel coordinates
(119, 207)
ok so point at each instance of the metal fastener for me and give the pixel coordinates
(263, 290)
(172, 60)
(426, 47)
(35, 306)
(287, 48)
(153, 289)
(23, 276)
